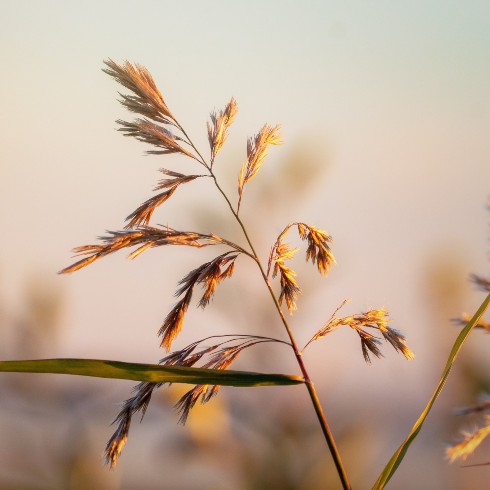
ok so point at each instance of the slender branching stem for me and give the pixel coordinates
(297, 352)
(149, 103)
(201, 159)
(309, 384)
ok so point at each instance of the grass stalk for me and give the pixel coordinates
(159, 128)
(309, 384)
(297, 353)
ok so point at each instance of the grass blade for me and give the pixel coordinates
(153, 373)
(399, 454)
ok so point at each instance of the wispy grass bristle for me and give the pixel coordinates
(289, 287)
(172, 325)
(147, 99)
(467, 445)
(257, 149)
(220, 354)
(482, 405)
(318, 251)
(146, 237)
(178, 179)
(218, 129)
(375, 319)
(137, 403)
(142, 215)
(209, 275)
(318, 247)
(465, 318)
(148, 132)
(480, 282)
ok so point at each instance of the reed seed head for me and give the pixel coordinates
(137, 403)
(144, 237)
(373, 319)
(155, 135)
(219, 355)
(470, 441)
(218, 129)
(318, 251)
(158, 127)
(257, 149)
(289, 287)
(209, 275)
(147, 99)
(465, 318)
(481, 282)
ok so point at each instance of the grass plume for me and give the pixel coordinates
(158, 128)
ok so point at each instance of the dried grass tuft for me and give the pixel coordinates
(318, 251)
(289, 287)
(471, 440)
(465, 318)
(147, 99)
(142, 215)
(209, 275)
(144, 237)
(137, 403)
(373, 319)
(218, 129)
(318, 247)
(221, 353)
(257, 149)
(481, 282)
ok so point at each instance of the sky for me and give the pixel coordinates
(392, 97)
(385, 114)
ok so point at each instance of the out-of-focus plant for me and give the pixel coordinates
(205, 362)
(460, 450)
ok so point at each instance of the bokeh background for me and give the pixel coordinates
(385, 109)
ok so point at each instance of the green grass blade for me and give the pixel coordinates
(399, 454)
(154, 373)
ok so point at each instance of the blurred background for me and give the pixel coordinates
(385, 110)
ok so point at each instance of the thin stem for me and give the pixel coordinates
(316, 336)
(242, 336)
(201, 159)
(309, 384)
(312, 392)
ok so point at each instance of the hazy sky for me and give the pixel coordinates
(390, 99)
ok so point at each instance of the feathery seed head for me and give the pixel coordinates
(218, 129)
(471, 440)
(257, 149)
(147, 99)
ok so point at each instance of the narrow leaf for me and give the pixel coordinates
(399, 454)
(153, 373)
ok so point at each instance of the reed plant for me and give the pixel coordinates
(205, 362)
